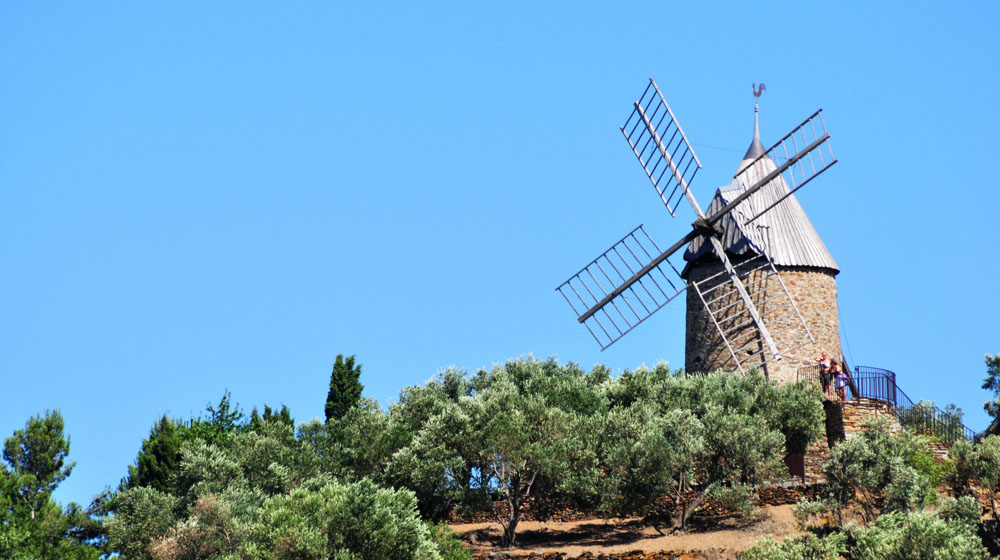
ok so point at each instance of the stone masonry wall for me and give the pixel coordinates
(856, 410)
(815, 294)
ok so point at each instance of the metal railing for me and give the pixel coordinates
(921, 417)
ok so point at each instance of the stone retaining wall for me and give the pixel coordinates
(857, 410)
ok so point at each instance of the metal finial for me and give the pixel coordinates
(757, 91)
(756, 123)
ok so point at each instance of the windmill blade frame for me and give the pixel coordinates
(649, 123)
(625, 307)
(798, 169)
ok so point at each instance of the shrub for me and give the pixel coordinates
(987, 461)
(448, 543)
(808, 547)
(884, 471)
(916, 536)
(963, 471)
(359, 521)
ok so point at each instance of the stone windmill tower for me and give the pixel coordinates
(800, 261)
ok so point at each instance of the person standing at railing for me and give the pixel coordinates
(824, 373)
(839, 380)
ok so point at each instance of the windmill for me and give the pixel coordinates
(748, 304)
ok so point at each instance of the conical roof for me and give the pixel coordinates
(784, 232)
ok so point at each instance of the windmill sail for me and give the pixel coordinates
(799, 157)
(661, 146)
(633, 256)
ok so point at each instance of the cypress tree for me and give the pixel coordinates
(159, 457)
(345, 388)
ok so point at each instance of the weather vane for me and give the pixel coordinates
(758, 90)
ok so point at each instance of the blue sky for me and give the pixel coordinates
(206, 197)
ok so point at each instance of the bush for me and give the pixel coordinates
(448, 543)
(809, 547)
(141, 514)
(359, 521)
(963, 472)
(915, 536)
(886, 472)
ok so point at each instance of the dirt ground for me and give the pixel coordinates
(624, 535)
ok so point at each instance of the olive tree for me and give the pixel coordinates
(524, 437)
(688, 438)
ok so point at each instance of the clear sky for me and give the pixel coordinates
(197, 197)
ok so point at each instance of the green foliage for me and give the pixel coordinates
(141, 515)
(284, 415)
(345, 387)
(224, 420)
(263, 493)
(987, 464)
(362, 441)
(432, 438)
(917, 536)
(158, 457)
(737, 498)
(808, 547)
(690, 437)
(948, 534)
(963, 473)
(368, 522)
(32, 526)
(992, 384)
(799, 416)
(963, 510)
(435, 463)
(37, 459)
(887, 472)
(448, 543)
(526, 411)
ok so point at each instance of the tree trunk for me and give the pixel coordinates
(510, 533)
(685, 511)
(513, 500)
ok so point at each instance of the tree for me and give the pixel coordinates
(37, 456)
(684, 439)
(345, 388)
(32, 525)
(158, 457)
(992, 383)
